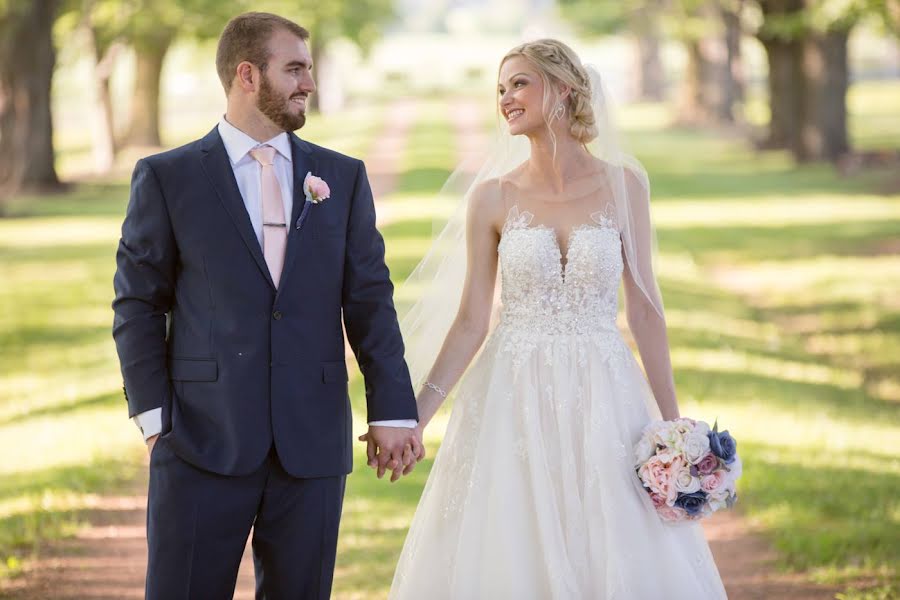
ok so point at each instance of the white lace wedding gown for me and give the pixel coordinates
(533, 493)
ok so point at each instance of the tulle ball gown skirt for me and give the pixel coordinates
(533, 493)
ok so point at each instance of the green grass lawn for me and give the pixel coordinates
(781, 287)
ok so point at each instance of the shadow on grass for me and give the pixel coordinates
(426, 180)
(850, 406)
(796, 241)
(406, 229)
(97, 252)
(726, 182)
(702, 339)
(59, 410)
(34, 335)
(787, 342)
(109, 199)
(688, 296)
(401, 268)
(690, 163)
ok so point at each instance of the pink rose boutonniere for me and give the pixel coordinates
(316, 191)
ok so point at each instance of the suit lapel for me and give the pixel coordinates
(217, 166)
(303, 161)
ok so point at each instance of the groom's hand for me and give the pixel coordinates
(395, 449)
(151, 441)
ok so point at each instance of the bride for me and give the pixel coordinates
(533, 493)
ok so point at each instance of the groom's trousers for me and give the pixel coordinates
(198, 523)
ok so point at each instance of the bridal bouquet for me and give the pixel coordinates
(688, 469)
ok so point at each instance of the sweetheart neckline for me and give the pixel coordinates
(563, 260)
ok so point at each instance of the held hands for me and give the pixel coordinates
(395, 449)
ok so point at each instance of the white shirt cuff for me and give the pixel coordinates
(408, 423)
(149, 422)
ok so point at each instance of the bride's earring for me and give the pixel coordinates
(560, 111)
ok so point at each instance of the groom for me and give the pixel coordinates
(235, 269)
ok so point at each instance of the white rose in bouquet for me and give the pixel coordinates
(695, 446)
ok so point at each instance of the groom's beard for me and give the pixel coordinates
(275, 106)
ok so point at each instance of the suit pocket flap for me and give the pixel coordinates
(190, 369)
(334, 372)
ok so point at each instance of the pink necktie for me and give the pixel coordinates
(274, 227)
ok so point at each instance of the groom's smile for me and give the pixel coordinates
(286, 82)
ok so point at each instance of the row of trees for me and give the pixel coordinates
(28, 29)
(805, 43)
(806, 49)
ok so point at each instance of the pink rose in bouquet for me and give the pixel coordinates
(655, 475)
(708, 464)
(713, 482)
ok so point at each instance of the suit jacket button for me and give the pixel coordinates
(276, 315)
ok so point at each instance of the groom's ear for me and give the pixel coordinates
(247, 76)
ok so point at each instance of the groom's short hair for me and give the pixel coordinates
(246, 37)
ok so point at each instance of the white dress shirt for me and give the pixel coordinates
(247, 173)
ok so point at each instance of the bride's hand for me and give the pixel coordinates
(420, 435)
(413, 453)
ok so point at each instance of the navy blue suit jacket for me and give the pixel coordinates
(235, 364)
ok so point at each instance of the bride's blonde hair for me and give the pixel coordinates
(557, 63)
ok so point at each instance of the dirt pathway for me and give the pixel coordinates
(385, 161)
(746, 564)
(107, 559)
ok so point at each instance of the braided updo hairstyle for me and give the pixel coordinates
(557, 63)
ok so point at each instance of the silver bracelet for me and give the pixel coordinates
(431, 386)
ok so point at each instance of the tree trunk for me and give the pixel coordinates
(786, 92)
(27, 59)
(703, 99)
(692, 105)
(651, 78)
(150, 53)
(103, 130)
(316, 52)
(824, 133)
(778, 85)
(734, 81)
(808, 80)
(786, 81)
(708, 95)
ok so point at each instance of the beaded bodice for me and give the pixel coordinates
(544, 292)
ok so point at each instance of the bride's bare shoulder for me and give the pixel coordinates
(633, 170)
(486, 201)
